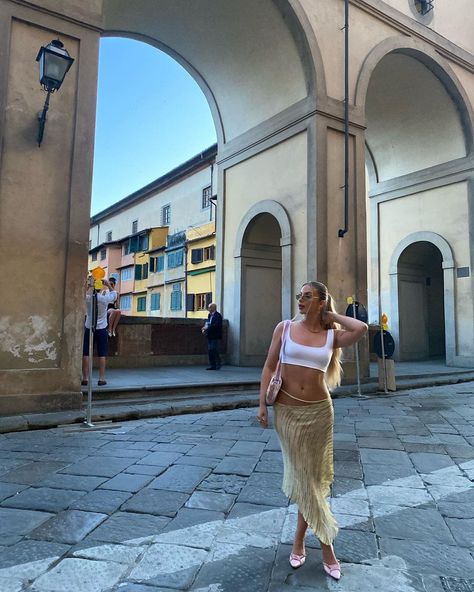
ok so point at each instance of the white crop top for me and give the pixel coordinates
(305, 355)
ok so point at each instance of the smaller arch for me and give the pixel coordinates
(278, 212)
(430, 237)
(434, 62)
(448, 280)
(267, 206)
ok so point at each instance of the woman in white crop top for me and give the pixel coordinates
(309, 351)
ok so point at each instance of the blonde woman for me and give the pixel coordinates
(303, 412)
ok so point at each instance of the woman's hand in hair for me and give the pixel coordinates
(328, 318)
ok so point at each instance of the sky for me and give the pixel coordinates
(151, 117)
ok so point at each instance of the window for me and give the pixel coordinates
(157, 263)
(134, 226)
(424, 6)
(126, 274)
(90, 245)
(175, 259)
(126, 302)
(203, 300)
(141, 304)
(131, 246)
(94, 256)
(108, 236)
(196, 255)
(165, 215)
(141, 271)
(209, 253)
(143, 242)
(155, 301)
(103, 254)
(136, 243)
(176, 297)
(206, 197)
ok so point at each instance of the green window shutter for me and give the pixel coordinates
(196, 255)
(190, 302)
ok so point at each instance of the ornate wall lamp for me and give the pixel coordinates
(54, 62)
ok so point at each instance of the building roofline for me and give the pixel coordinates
(121, 240)
(189, 166)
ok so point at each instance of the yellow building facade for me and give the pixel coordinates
(200, 270)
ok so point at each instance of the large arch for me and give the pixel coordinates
(220, 44)
(448, 278)
(434, 62)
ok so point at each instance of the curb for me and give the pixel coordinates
(144, 408)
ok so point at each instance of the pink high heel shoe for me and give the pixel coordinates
(333, 570)
(297, 560)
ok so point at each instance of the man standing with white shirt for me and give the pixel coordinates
(104, 298)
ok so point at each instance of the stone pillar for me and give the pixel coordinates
(44, 204)
(342, 262)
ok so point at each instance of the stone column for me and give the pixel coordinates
(44, 204)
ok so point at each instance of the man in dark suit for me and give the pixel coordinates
(213, 331)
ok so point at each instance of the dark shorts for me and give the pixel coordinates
(101, 342)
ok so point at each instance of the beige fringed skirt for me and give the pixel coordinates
(306, 438)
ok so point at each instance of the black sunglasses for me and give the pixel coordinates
(306, 296)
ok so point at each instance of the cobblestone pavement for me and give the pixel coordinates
(193, 502)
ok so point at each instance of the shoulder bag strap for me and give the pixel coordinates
(283, 338)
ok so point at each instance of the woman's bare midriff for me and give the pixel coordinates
(306, 384)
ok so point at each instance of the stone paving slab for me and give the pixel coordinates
(20, 522)
(102, 501)
(156, 502)
(81, 574)
(43, 498)
(69, 527)
(180, 478)
(124, 527)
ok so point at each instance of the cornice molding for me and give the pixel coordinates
(59, 15)
(409, 26)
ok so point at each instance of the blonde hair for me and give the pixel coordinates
(334, 372)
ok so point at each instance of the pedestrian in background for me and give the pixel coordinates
(104, 298)
(303, 412)
(213, 331)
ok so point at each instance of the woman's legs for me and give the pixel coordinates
(298, 543)
(328, 554)
(114, 319)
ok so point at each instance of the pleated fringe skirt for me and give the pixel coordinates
(306, 438)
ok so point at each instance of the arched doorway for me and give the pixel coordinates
(261, 281)
(421, 303)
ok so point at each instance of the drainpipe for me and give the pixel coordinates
(186, 279)
(343, 231)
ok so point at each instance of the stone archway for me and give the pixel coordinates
(263, 265)
(408, 281)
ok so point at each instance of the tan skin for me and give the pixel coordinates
(307, 383)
